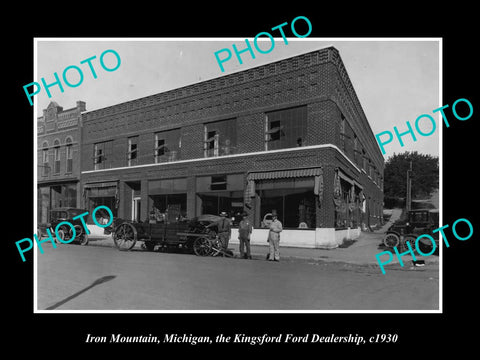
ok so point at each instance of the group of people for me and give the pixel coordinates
(245, 228)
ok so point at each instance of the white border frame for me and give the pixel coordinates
(35, 197)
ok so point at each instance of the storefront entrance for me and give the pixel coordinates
(295, 208)
(55, 196)
(295, 195)
(105, 193)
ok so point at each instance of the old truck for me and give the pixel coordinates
(173, 231)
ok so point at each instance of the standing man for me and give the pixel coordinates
(244, 231)
(274, 237)
(224, 229)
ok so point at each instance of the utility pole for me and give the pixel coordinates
(409, 188)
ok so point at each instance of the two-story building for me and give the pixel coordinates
(289, 136)
(58, 158)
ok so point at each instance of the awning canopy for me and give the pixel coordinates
(317, 173)
(279, 174)
(351, 181)
(101, 185)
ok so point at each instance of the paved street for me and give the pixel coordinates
(73, 277)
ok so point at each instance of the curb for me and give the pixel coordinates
(260, 254)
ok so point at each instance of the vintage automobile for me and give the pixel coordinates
(417, 222)
(194, 235)
(58, 215)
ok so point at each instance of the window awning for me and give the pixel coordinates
(100, 185)
(279, 174)
(345, 177)
(351, 181)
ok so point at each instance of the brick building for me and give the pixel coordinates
(289, 136)
(58, 158)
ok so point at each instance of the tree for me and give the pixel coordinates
(425, 175)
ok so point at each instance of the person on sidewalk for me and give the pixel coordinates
(244, 231)
(224, 230)
(274, 238)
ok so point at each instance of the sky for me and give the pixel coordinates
(396, 80)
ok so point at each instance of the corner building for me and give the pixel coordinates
(289, 136)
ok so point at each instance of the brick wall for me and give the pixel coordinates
(317, 80)
(246, 96)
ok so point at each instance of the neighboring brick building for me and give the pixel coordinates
(290, 136)
(58, 158)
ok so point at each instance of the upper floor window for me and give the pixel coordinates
(356, 150)
(343, 134)
(132, 153)
(45, 165)
(102, 155)
(69, 154)
(220, 138)
(168, 146)
(286, 128)
(56, 157)
(364, 160)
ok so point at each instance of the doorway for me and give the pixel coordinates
(136, 208)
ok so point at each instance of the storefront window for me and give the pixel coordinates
(295, 208)
(70, 195)
(167, 199)
(94, 202)
(168, 206)
(229, 201)
(104, 194)
(221, 192)
(347, 206)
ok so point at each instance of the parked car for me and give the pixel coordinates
(58, 215)
(417, 222)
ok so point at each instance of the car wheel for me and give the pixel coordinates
(425, 248)
(84, 240)
(409, 239)
(391, 240)
(60, 236)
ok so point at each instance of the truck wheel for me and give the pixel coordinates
(202, 247)
(125, 237)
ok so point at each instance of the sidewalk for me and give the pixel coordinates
(361, 252)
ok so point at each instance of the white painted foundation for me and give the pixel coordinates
(320, 238)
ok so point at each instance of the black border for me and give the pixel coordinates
(418, 333)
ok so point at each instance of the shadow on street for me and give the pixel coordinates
(95, 283)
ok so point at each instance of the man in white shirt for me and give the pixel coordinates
(274, 238)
